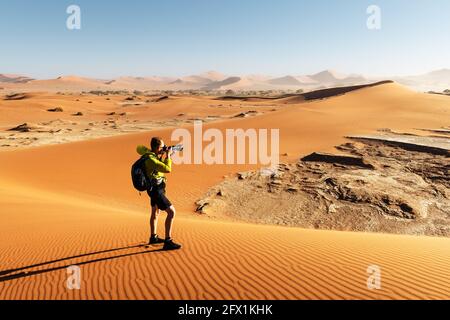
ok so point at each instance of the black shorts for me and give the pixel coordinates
(158, 197)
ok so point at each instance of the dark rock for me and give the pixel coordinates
(337, 159)
(161, 98)
(243, 175)
(57, 109)
(22, 128)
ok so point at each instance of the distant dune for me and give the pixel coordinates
(9, 78)
(287, 80)
(438, 80)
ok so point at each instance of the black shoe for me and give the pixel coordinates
(170, 245)
(155, 240)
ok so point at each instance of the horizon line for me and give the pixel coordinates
(331, 70)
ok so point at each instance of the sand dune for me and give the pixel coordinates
(88, 116)
(295, 98)
(13, 78)
(74, 204)
(304, 128)
(220, 260)
(437, 80)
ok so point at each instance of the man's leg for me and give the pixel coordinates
(154, 220)
(168, 243)
(169, 221)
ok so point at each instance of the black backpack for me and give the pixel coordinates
(141, 181)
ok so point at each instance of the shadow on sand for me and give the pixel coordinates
(11, 274)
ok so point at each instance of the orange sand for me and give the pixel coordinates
(74, 204)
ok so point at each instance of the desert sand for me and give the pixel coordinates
(73, 203)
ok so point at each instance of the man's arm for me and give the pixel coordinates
(163, 166)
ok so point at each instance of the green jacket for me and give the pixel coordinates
(155, 167)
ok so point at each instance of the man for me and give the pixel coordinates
(156, 167)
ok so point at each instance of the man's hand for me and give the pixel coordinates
(169, 152)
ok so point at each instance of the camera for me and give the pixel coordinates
(177, 148)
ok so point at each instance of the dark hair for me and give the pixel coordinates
(155, 143)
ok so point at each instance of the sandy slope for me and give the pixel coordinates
(58, 202)
(34, 108)
(220, 260)
(85, 117)
(304, 128)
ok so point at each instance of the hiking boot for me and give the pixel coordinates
(155, 240)
(170, 245)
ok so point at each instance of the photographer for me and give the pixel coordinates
(159, 162)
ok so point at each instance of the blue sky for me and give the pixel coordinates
(182, 37)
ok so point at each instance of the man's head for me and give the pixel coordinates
(156, 145)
